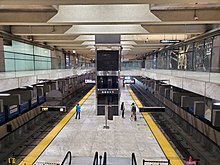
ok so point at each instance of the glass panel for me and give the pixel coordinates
(42, 58)
(9, 61)
(161, 60)
(9, 65)
(190, 57)
(215, 66)
(182, 58)
(215, 60)
(174, 58)
(199, 56)
(126, 65)
(207, 53)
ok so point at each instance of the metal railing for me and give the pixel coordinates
(105, 159)
(133, 159)
(96, 157)
(67, 159)
(159, 161)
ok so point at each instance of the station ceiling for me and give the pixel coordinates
(72, 24)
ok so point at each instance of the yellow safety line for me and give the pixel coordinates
(39, 149)
(161, 139)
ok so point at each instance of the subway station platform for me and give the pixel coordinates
(83, 137)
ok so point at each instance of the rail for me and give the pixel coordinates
(159, 161)
(95, 160)
(68, 155)
(133, 159)
(105, 159)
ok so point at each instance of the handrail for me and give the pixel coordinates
(105, 159)
(133, 159)
(70, 158)
(154, 161)
(95, 161)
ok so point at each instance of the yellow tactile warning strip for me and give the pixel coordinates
(163, 142)
(39, 149)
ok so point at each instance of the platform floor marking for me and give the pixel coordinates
(163, 142)
(39, 149)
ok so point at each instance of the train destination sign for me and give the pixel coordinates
(129, 81)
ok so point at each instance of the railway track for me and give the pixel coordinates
(180, 141)
(43, 124)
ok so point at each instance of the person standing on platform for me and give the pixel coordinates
(123, 110)
(133, 112)
(78, 109)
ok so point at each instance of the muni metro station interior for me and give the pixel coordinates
(120, 82)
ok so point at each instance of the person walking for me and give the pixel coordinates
(123, 110)
(78, 109)
(133, 112)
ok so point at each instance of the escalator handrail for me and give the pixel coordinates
(133, 159)
(70, 160)
(156, 161)
(95, 161)
(105, 159)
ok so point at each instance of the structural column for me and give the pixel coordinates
(2, 57)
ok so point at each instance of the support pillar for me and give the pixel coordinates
(2, 57)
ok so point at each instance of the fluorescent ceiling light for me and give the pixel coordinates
(170, 41)
(107, 29)
(23, 87)
(216, 103)
(122, 13)
(5, 94)
(40, 85)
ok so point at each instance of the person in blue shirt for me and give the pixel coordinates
(78, 109)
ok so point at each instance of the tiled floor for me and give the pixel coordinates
(86, 136)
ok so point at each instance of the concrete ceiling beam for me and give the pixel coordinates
(56, 38)
(25, 18)
(40, 30)
(178, 29)
(89, 2)
(188, 16)
(185, 6)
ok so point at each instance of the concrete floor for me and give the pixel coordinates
(86, 136)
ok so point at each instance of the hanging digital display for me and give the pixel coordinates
(129, 81)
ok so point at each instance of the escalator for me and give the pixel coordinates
(98, 160)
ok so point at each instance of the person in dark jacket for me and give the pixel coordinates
(123, 110)
(78, 109)
(133, 112)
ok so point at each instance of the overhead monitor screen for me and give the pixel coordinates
(89, 81)
(129, 81)
(107, 60)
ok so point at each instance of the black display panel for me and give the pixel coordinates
(107, 60)
(107, 82)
